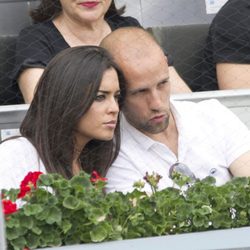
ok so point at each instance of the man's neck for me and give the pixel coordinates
(169, 136)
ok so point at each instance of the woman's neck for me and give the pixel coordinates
(76, 166)
(76, 33)
(80, 143)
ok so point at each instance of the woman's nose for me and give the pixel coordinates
(114, 107)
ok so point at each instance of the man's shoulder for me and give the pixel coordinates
(209, 113)
(201, 112)
(196, 106)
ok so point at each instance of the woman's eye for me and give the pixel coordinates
(100, 98)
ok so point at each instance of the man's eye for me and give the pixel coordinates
(162, 83)
(100, 98)
(139, 92)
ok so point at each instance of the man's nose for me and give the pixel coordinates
(155, 100)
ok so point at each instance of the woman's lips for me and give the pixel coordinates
(110, 124)
(89, 4)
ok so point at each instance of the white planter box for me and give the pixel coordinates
(238, 238)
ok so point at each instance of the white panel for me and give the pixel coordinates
(177, 12)
(133, 8)
(13, 17)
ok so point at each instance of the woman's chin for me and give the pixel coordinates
(106, 137)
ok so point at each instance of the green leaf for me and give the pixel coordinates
(240, 181)
(54, 215)
(19, 243)
(31, 209)
(12, 222)
(99, 233)
(42, 215)
(32, 241)
(81, 181)
(198, 221)
(12, 194)
(36, 230)
(66, 226)
(15, 233)
(26, 221)
(52, 201)
(241, 202)
(46, 179)
(210, 180)
(204, 210)
(62, 184)
(96, 215)
(71, 202)
(42, 195)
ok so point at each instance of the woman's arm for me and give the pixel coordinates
(233, 75)
(177, 83)
(27, 82)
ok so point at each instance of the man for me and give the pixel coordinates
(227, 51)
(156, 133)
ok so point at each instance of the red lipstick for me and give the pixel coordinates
(89, 4)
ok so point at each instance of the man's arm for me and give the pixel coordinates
(177, 83)
(241, 166)
(27, 82)
(233, 76)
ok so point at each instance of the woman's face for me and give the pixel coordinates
(85, 10)
(100, 120)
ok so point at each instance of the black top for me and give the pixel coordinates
(39, 43)
(228, 40)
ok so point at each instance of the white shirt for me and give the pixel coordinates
(17, 158)
(210, 138)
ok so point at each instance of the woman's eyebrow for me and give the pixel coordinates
(107, 91)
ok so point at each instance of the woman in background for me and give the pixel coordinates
(60, 24)
(71, 122)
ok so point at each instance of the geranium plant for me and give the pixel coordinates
(49, 210)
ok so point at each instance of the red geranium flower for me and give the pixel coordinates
(9, 207)
(95, 177)
(28, 182)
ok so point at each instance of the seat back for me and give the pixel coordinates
(185, 43)
(11, 117)
(9, 92)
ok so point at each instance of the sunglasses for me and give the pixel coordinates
(185, 170)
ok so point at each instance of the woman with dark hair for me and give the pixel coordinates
(50, 9)
(72, 123)
(60, 24)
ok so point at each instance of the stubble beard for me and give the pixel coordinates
(148, 127)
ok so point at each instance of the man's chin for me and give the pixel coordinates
(155, 128)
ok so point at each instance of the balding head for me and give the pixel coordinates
(131, 46)
(146, 100)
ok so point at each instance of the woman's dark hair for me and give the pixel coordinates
(49, 9)
(64, 93)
